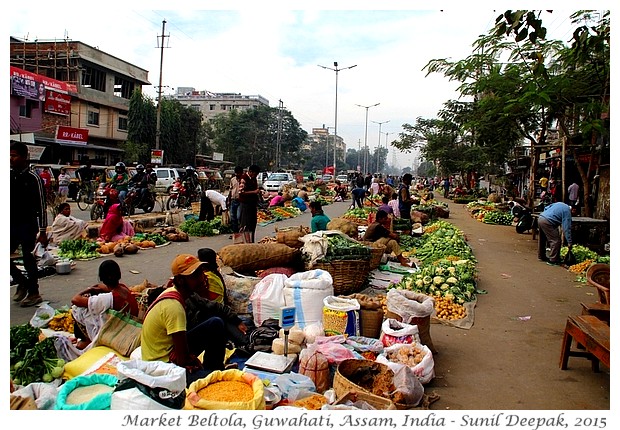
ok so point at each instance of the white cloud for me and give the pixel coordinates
(275, 52)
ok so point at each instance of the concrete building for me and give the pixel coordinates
(211, 104)
(321, 136)
(70, 100)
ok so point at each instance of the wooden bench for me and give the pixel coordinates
(592, 333)
(598, 309)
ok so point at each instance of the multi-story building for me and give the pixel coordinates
(70, 100)
(322, 136)
(211, 104)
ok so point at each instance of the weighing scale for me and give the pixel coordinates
(273, 362)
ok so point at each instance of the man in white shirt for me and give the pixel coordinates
(209, 200)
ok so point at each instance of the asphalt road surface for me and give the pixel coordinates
(508, 360)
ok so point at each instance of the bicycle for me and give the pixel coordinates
(84, 197)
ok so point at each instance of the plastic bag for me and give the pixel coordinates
(267, 298)
(409, 304)
(341, 316)
(97, 402)
(314, 365)
(295, 386)
(424, 370)
(395, 332)
(149, 385)
(569, 258)
(42, 315)
(43, 256)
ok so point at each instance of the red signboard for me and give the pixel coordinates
(57, 103)
(49, 83)
(71, 135)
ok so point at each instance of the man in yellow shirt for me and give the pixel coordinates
(164, 331)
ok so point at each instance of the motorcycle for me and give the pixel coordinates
(132, 201)
(523, 215)
(180, 196)
(102, 202)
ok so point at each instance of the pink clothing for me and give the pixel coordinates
(276, 200)
(115, 227)
(394, 205)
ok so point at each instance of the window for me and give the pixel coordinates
(123, 88)
(122, 120)
(25, 110)
(211, 107)
(93, 115)
(93, 78)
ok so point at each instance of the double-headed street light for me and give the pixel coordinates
(336, 69)
(379, 142)
(366, 136)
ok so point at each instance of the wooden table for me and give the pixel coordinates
(578, 224)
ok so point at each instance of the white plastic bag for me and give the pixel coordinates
(409, 304)
(43, 256)
(341, 316)
(42, 316)
(424, 370)
(164, 382)
(395, 332)
(295, 385)
(267, 298)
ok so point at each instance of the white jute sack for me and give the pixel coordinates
(306, 291)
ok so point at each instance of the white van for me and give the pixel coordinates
(165, 178)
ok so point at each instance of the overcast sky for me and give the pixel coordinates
(275, 52)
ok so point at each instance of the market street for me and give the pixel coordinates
(509, 359)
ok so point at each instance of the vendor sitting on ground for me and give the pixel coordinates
(67, 227)
(90, 305)
(299, 203)
(166, 333)
(319, 219)
(277, 200)
(378, 233)
(114, 227)
(341, 191)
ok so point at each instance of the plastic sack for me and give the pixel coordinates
(409, 304)
(149, 385)
(395, 332)
(306, 291)
(194, 401)
(295, 385)
(312, 331)
(569, 258)
(424, 370)
(365, 344)
(267, 298)
(335, 352)
(42, 316)
(314, 365)
(341, 316)
(98, 402)
(43, 394)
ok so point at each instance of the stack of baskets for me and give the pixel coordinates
(349, 276)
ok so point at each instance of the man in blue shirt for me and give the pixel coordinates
(555, 215)
(358, 194)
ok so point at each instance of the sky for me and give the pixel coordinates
(275, 51)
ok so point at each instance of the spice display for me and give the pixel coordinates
(227, 391)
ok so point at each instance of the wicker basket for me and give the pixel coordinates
(376, 254)
(348, 276)
(343, 386)
(598, 276)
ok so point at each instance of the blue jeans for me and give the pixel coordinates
(208, 336)
(234, 215)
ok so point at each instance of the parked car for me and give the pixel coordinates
(262, 177)
(327, 178)
(165, 178)
(210, 179)
(344, 179)
(277, 181)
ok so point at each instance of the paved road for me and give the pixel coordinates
(508, 360)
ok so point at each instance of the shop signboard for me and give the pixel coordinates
(157, 156)
(57, 103)
(76, 136)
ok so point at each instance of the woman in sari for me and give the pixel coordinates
(114, 227)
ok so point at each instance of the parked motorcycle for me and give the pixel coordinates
(523, 215)
(181, 197)
(132, 201)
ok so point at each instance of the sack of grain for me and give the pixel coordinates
(87, 392)
(290, 236)
(228, 389)
(341, 316)
(306, 291)
(250, 257)
(344, 226)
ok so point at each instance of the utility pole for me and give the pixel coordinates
(159, 88)
(366, 136)
(379, 142)
(279, 135)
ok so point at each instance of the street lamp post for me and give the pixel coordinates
(336, 69)
(379, 143)
(366, 136)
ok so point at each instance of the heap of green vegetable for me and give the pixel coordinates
(155, 237)
(340, 247)
(445, 241)
(214, 227)
(31, 360)
(78, 249)
(498, 217)
(454, 280)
